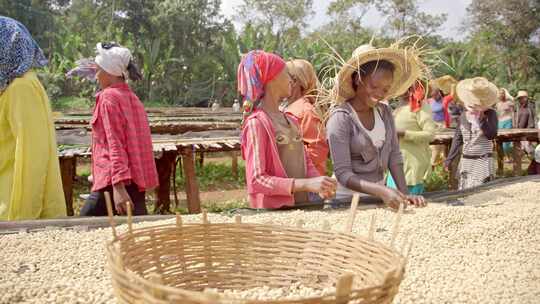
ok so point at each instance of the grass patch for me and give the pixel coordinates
(217, 207)
(217, 176)
(71, 103)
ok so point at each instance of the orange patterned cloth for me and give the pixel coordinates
(313, 132)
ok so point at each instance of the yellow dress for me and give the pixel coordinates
(30, 182)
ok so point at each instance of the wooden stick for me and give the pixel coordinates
(395, 230)
(238, 219)
(129, 217)
(344, 287)
(157, 279)
(110, 213)
(178, 220)
(371, 233)
(326, 225)
(205, 217)
(352, 214)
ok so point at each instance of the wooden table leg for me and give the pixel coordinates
(500, 158)
(234, 165)
(164, 166)
(201, 159)
(516, 155)
(190, 176)
(67, 170)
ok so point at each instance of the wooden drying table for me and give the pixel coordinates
(169, 151)
(166, 153)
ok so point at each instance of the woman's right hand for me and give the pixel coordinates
(322, 184)
(393, 197)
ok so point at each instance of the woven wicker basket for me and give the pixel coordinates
(176, 263)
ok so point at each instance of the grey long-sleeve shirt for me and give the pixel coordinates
(353, 152)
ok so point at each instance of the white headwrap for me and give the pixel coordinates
(114, 60)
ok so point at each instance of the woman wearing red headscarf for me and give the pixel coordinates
(415, 130)
(279, 172)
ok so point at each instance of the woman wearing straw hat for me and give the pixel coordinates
(417, 129)
(505, 112)
(279, 172)
(363, 139)
(304, 90)
(475, 133)
(525, 118)
(30, 182)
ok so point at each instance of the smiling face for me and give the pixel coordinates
(375, 86)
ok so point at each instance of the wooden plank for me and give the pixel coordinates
(68, 170)
(191, 183)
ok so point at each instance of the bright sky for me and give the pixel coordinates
(455, 10)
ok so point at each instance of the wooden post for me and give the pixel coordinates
(192, 186)
(201, 159)
(500, 158)
(67, 170)
(516, 155)
(234, 158)
(164, 166)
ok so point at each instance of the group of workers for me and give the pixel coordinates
(374, 149)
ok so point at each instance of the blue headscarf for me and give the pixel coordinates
(18, 51)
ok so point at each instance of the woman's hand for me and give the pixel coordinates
(324, 185)
(121, 199)
(416, 200)
(393, 198)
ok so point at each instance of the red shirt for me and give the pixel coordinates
(121, 140)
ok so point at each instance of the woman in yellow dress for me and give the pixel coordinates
(30, 182)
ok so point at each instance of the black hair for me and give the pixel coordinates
(369, 68)
(133, 71)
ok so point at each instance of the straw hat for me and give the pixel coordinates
(444, 83)
(477, 92)
(522, 93)
(408, 68)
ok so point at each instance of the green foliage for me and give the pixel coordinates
(189, 52)
(71, 103)
(213, 176)
(437, 180)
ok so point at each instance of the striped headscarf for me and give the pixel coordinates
(256, 69)
(19, 52)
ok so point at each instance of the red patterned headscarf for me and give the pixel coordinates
(416, 96)
(256, 69)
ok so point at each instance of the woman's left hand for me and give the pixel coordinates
(416, 200)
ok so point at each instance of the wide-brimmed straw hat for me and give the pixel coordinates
(408, 68)
(522, 93)
(444, 83)
(477, 92)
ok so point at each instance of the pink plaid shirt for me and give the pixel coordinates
(121, 140)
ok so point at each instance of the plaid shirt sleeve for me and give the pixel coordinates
(114, 125)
